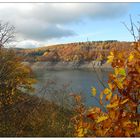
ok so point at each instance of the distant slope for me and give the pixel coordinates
(82, 51)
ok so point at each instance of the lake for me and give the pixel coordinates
(56, 84)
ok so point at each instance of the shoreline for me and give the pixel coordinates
(68, 66)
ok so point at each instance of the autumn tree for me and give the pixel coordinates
(15, 78)
(120, 114)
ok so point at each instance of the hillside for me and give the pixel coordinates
(80, 52)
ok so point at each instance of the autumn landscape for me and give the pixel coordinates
(74, 74)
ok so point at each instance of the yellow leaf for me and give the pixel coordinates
(115, 104)
(80, 132)
(101, 95)
(111, 53)
(110, 57)
(110, 86)
(119, 83)
(131, 57)
(108, 96)
(116, 71)
(124, 101)
(106, 91)
(102, 118)
(93, 91)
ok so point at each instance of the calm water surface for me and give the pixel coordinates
(71, 81)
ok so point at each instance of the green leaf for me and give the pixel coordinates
(122, 72)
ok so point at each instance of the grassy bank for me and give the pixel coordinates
(31, 116)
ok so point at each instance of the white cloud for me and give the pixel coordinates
(28, 44)
(45, 21)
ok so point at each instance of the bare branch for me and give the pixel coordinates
(133, 28)
(7, 33)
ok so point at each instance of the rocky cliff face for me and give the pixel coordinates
(68, 65)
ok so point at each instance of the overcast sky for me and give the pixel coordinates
(53, 23)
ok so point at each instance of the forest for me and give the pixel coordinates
(23, 114)
(80, 52)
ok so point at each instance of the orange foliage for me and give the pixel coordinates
(82, 51)
(120, 117)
